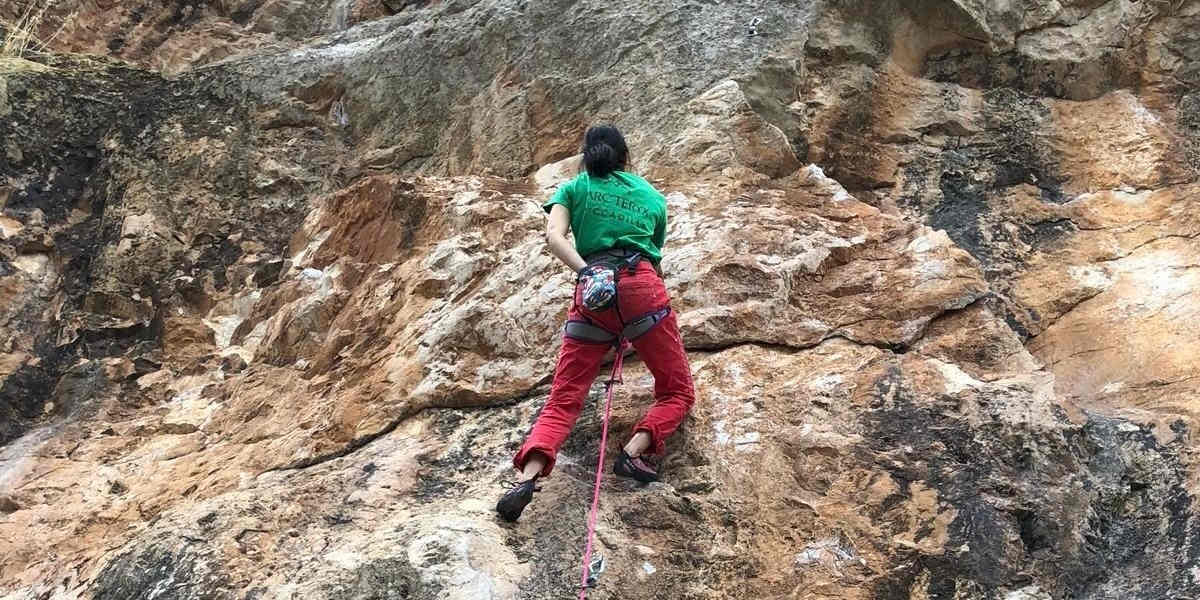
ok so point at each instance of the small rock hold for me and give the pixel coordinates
(1032, 592)
(8, 505)
(118, 369)
(233, 363)
(267, 273)
(338, 519)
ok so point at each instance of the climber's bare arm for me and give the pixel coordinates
(557, 227)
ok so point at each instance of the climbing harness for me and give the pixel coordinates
(585, 331)
(593, 568)
(615, 261)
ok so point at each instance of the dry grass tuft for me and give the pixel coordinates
(20, 36)
(1149, 10)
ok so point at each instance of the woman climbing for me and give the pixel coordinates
(620, 223)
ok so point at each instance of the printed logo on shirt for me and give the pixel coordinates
(617, 208)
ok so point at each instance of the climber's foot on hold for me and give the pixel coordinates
(634, 467)
(515, 500)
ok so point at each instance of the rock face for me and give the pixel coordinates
(274, 323)
(175, 35)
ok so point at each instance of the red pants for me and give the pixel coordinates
(639, 292)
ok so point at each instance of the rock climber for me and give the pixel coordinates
(619, 222)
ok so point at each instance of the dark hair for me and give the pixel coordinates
(604, 150)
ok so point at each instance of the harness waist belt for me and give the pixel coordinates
(609, 254)
(615, 258)
(587, 332)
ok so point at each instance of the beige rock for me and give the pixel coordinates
(36, 265)
(9, 227)
(550, 176)
(1129, 274)
(724, 132)
(1115, 142)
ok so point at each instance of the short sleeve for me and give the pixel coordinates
(660, 230)
(561, 196)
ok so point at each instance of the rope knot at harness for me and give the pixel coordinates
(593, 568)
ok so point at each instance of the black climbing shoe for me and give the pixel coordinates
(514, 501)
(634, 467)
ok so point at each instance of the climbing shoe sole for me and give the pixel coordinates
(515, 500)
(634, 467)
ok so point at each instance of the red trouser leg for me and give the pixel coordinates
(661, 349)
(578, 363)
(639, 293)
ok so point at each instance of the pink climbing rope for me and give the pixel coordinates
(613, 379)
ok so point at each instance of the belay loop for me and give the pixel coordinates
(593, 568)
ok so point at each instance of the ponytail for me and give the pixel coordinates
(604, 151)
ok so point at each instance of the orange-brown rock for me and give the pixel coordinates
(273, 327)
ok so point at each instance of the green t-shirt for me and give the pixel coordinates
(620, 210)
